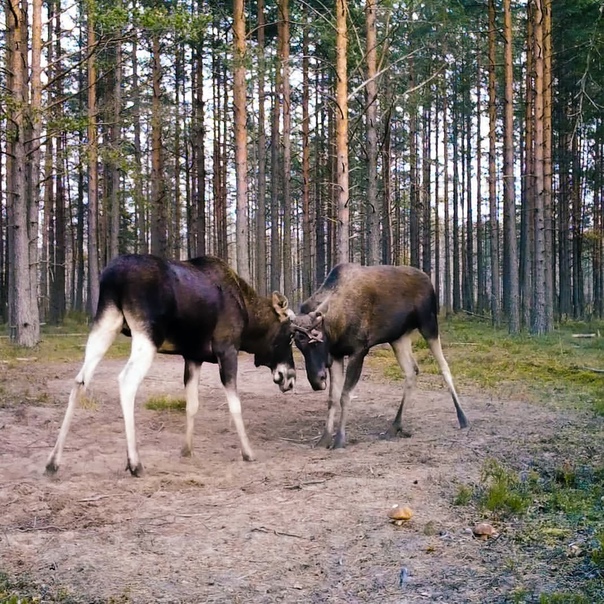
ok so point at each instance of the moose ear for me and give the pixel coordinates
(281, 306)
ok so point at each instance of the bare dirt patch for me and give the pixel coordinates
(298, 525)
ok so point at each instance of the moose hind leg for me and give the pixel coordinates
(336, 382)
(192, 370)
(436, 348)
(101, 337)
(141, 357)
(404, 356)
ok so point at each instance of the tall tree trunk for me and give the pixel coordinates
(275, 275)
(426, 194)
(287, 146)
(387, 192)
(159, 220)
(199, 210)
(140, 221)
(371, 207)
(469, 255)
(341, 118)
(510, 246)
(547, 164)
(239, 100)
(447, 229)
(307, 212)
(540, 323)
(261, 272)
(93, 187)
(115, 141)
(23, 314)
(495, 295)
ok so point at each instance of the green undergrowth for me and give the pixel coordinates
(28, 591)
(165, 403)
(559, 367)
(59, 343)
(554, 517)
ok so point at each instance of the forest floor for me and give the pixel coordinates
(300, 524)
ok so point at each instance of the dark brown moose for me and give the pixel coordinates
(356, 308)
(200, 309)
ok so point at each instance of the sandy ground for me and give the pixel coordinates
(298, 525)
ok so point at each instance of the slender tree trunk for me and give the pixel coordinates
(140, 221)
(495, 294)
(199, 211)
(93, 259)
(510, 246)
(23, 314)
(469, 256)
(426, 194)
(261, 272)
(341, 118)
(287, 147)
(540, 323)
(275, 276)
(371, 208)
(115, 141)
(239, 103)
(387, 192)
(159, 221)
(307, 269)
(447, 229)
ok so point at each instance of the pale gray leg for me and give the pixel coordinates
(353, 373)
(192, 371)
(437, 351)
(141, 357)
(336, 382)
(100, 339)
(404, 356)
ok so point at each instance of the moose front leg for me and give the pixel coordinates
(353, 373)
(336, 381)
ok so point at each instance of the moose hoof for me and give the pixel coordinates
(325, 440)
(185, 451)
(51, 468)
(396, 432)
(248, 456)
(136, 470)
(339, 441)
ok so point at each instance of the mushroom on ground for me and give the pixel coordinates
(484, 531)
(400, 513)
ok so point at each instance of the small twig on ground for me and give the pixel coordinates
(48, 527)
(593, 369)
(304, 484)
(584, 335)
(262, 529)
(93, 498)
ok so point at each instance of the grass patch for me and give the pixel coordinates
(555, 516)
(60, 343)
(557, 367)
(166, 403)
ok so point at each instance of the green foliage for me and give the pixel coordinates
(555, 515)
(65, 342)
(503, 491)
(166, 403)
(464, 495)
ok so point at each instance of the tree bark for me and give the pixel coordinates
(341, 119)
(239, 101)
(510, 246)
(371, 206)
